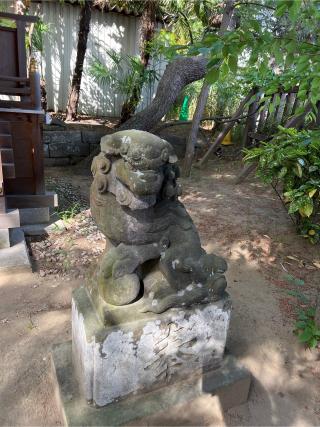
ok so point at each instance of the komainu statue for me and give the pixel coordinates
(154, 252)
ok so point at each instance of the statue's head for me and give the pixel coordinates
(140, 150)
(139, 168)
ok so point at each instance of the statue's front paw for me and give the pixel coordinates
(122, 290)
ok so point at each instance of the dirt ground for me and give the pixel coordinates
(249, 227)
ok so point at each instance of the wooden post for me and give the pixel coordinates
(289, 104)
(34, 77)
(280, 108)
(251, 122)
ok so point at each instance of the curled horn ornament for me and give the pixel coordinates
(102, 183)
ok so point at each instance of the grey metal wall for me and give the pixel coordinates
(108, 31)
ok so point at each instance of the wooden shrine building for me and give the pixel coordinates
(22, 187)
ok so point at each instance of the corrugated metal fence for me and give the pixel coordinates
(107, 31)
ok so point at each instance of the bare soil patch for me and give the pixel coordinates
(246, 224)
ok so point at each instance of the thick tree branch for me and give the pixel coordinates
(177, 75)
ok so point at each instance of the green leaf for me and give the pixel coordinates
(213, 75)
(281, 9)
(306, 210)
(294, 10)
(306, 335)
(289, 59)
(213, 62)
(282, 172)
(291, 279)
(299, 295)
(303, 316)
(271, 108)
(233, 63)
(302, 94)
(311, 312)
(255, 25)
(301, 324)
(298, 170)
(224, 69)
(313, 342)
(312, 192)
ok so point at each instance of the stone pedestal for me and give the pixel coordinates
(230, 384)
(124, 357)
(132, 365)
(15, 258)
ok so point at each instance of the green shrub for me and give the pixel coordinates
(306, 329)
(292, 158)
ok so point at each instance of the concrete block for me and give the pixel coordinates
(46, 150)
(68, 149)
(124, 356)
(4, 238)
(66, 143)
(53, 128)
(62, 137)
(230, 383)
(15, 258)
(60, 161)
(34, 215)
(93, 136)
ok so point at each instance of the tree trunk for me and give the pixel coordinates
(148, 26)
(84, 28)
(192, 137)
(21, 7)
(202, 100)
(177, 75)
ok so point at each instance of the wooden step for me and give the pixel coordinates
(6, 155)
(5, 127)
(5, 140)
(8, 170)
(10, 219)
(17, 91)
(20, 201)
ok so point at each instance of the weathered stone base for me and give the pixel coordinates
(15, 258)
(230, 382)
(127, 356)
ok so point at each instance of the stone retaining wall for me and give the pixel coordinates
(63, 147)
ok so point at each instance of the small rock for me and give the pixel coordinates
(42, 273)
